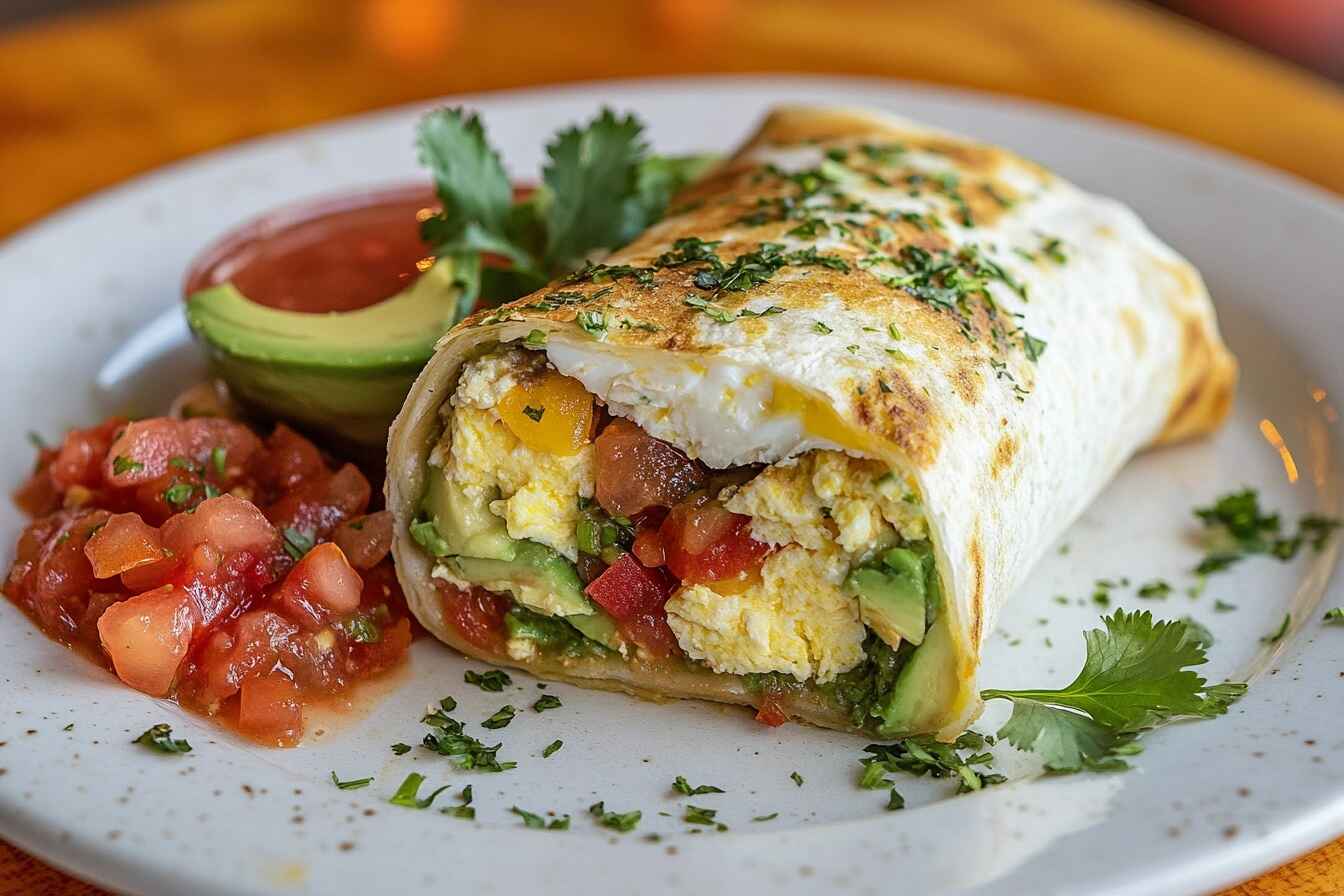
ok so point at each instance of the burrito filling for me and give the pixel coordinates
(561, 526)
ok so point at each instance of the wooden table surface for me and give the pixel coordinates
(88, 101)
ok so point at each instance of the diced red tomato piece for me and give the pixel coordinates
(323, 584)
(79, 461)
(769, 712)
(648, 547)
(147, 637)
(151, 575)
(366, 540)
(705, 542)
(652, 634)
(59, 578)
(270, 711)
(634, 470)
(317, 507)
(123, 543)
(289, 460)
(146, 447)
(475, 614)
(227, 523)
(250, 647)
(194, 608)
(628, 589)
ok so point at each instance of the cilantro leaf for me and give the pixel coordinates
(408, 794)
(1136, 676)
(625, 822)
(681, 786)
(468, 175)
(354, 784)
(160, 737)
(592, 175)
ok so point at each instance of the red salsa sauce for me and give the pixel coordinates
(338, 254)
(330, 255)
(241, 575)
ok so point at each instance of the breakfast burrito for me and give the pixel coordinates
(797, 443)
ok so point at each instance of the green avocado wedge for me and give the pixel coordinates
(345, 374)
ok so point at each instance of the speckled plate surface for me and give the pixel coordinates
(85, 296)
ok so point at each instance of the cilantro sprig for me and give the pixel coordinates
(1137, 675)
(600, 188)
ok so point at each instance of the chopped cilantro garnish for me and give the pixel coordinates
(699, 815)
(926, 756)
(796, 778)
(354, 784)
(178, 493)
(401, 749)
(464, 809)
(160, 737)
(619, 821)
(296, 543)
(535, 339)
(446, 738)
(494, 680)
(500, 718)
(820, 327)
(408, 794)
(1222, 606)
(219, 458)
(535, 821)
(534, 414)
(1334, 616)
(545, 702)
(1135, 677)
(681, 786)
(1157, 589)
(594, 323)
(895, 801)
(551, 748)
(771, 817)
(122, 464)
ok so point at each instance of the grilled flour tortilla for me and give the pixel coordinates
(917, 357)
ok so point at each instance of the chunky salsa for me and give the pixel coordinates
(242, 575)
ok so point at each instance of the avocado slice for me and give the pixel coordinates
(926, 683)
(345, 374)
(892, 595)
(537, 577)
(465, 526)
(542, 580)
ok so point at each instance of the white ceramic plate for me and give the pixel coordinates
(1209, 803)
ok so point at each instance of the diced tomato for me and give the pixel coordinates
(289, 460)
(227, 523)
(323, 584)
(366, 540)
(635, 471)
(270, 711)
(704, 542)
(79, 460)
(769, 712)
(147, 637)
(318, 506)
(195, 608)
(251, 646)
(628, 589)
(475, 614)
(123, 543)
(146, 448)
(651, 633)
(51, 576)
(648, 547)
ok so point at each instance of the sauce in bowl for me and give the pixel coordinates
(331, 254)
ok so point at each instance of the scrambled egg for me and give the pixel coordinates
(824, 510)
(826, 496)
(796, 621)
(535, 492)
